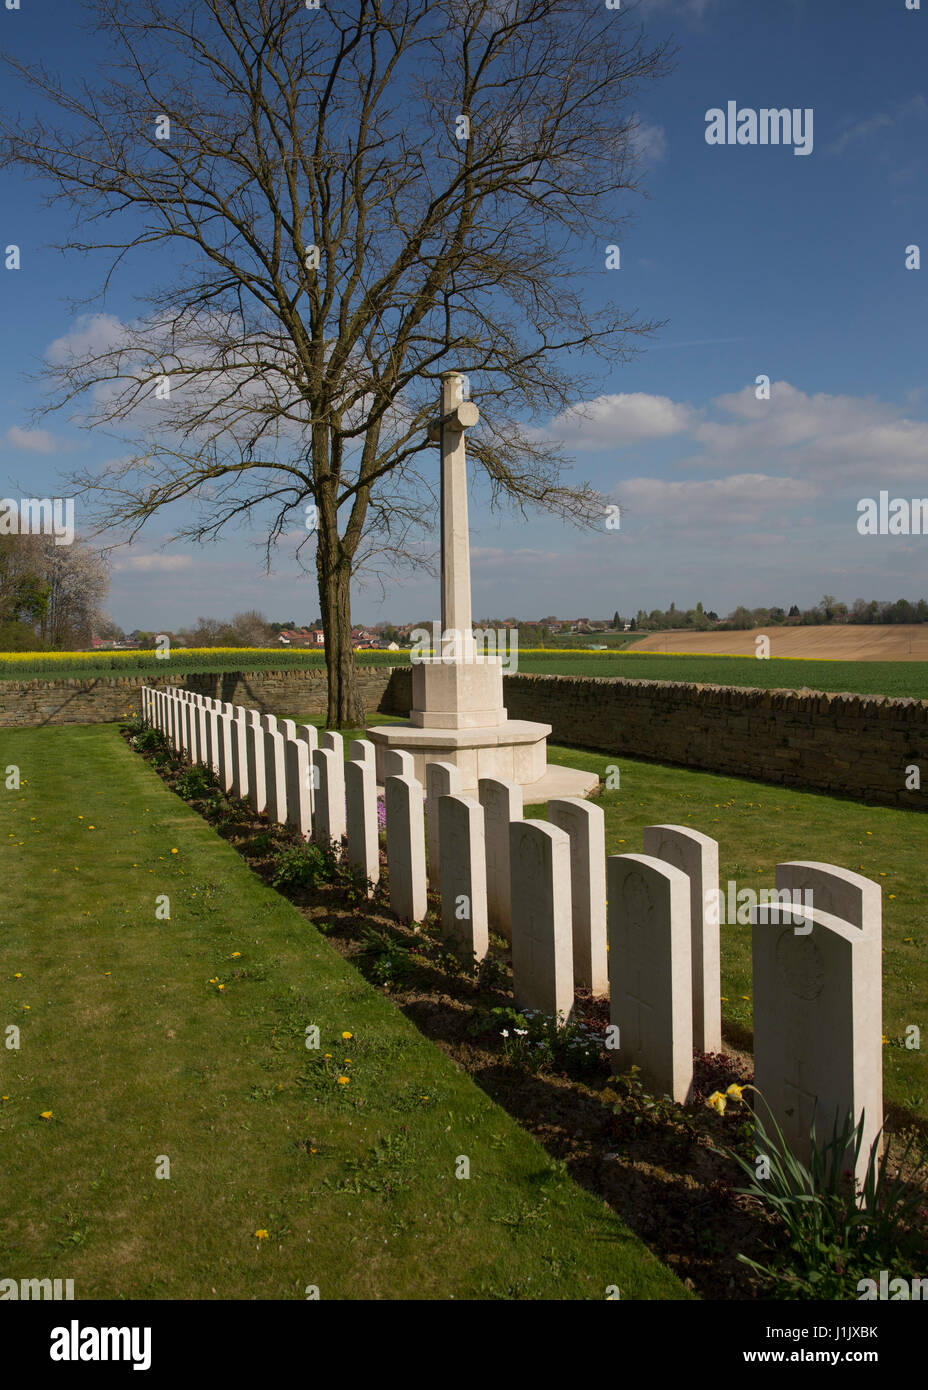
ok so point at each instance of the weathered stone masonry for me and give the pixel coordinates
(850, 745)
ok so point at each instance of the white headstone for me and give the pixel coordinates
(254, 753)
(698, 856)
(406, 848)
(363, 839)
(650, 971)
(361, 750)
(227, 737)
(818, 1005)
(441, 779)
(502, 804)
(462, 874)
(240, 728)
(329, 798)
(269, 723)
(287, 727)
(397, 763)
(585, 825)
(299, 800)
(308, 734)
(275, 773)
(542, 951)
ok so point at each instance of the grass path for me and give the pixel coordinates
(129, 1042)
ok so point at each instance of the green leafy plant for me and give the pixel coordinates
(196, 781)
(538, 1042)
(146, 740)
(830, 1231)
(389, 962)
(303, 866)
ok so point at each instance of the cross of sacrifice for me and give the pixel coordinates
(457, 415)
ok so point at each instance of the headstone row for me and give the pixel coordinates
(638, 927)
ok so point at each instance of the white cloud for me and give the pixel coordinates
(650, 143)
(835, 438)
(860, 130)
(613, 421)
(33, 441)
(147, 564)
(710, 505)
(90, 333)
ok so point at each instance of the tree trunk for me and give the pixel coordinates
(345, 706)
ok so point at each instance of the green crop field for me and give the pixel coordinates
(895, 678)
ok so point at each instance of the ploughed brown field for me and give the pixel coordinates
(894, 642)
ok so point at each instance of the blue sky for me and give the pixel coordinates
(763, 262)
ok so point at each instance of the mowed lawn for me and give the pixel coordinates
(145, 1041)
(758, 826)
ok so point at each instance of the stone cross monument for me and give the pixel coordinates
(457, 714)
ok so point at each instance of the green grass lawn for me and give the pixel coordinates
(758, 826)
(144, 1039)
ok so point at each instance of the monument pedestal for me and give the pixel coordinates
(514, 751)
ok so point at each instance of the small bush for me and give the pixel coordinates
(196, 781)
(303, 866)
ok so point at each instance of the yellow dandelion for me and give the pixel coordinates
(328, 1056)
(261, 1235)
(347, 1035)
(343, 1081)
(220, 988)
(213, 981)
(236, 954)
(46, 1114)
(18, 975)
(173, 851)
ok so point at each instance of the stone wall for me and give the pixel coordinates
(850, 745)
(110, 699)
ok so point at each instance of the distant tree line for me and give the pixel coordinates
(827, 610)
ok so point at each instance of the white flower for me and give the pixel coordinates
(504, 1033)
(521, 1032)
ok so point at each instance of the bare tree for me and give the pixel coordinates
(360, 196)
(56, 591)
(78, 583)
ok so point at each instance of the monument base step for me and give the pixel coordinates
(512, 752)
